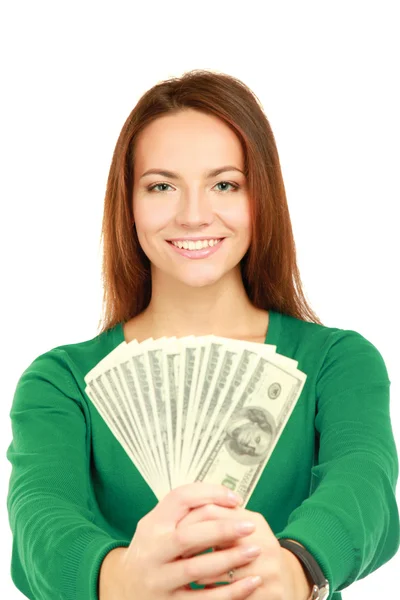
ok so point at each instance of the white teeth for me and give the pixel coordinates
(198, 245)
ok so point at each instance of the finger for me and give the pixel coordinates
(250, 552)
(211, 512)
(163, 519)
(179, 501)
(210, 566)
(220, 578)
(225, 545)
(235, 591)
(216, 535)
(188, 541)
(223, 576)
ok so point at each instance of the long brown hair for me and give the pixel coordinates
(269, 270)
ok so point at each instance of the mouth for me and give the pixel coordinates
(189, 242)
(194, 253)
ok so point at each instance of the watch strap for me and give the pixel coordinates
(320, 589)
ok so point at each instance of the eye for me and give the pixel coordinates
(235, 186)
(151, 187)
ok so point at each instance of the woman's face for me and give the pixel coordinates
(253, 439)
(192, 204)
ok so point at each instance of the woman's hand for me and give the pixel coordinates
(160, 561)
(281, 573)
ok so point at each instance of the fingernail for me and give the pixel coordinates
(245, 527)
(235, 498)
(251, 551)
(253, 582)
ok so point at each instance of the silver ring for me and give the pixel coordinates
(230, 574)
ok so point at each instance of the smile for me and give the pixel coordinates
(196, 245)
(198, 249)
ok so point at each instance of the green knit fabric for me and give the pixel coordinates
(74, 494)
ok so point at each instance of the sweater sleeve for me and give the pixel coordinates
(57, 546)
(350, 522)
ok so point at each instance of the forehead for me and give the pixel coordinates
(190, 141)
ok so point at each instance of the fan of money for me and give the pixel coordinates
(198, 408)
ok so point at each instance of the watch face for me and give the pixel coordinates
(324, 593)
(320, 594)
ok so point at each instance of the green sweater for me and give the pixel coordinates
(74, 494)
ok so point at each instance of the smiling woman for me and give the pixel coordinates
(251, 264)
(197, 241)
(192, 211)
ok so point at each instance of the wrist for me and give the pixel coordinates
(302, 585)
(109, 575)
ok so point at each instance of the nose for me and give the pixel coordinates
(194, 209)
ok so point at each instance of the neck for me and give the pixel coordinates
(221, 309)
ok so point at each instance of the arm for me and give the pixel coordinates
(57, 545)
(108, 576)
(350, 522)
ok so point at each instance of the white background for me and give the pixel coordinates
(327, 75)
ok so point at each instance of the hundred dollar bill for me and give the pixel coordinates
(224, 374)
(246, 437)
(191, 420)
(232, 366)
(119, 400)
(171, 364)
(141, 374)
(115, 413)
(119, 396)
(224, 392)
(156, 374)
(169, 397)
(249, 352)
(129, 382)
(211, 363)
(188, 379)
(116, 426)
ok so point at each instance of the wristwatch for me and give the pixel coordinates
(320, 589)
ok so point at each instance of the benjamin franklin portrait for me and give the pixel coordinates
(249, 435)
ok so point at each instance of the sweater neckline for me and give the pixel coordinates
(271, 338)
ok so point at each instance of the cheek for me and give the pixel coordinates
(150, 217)
(237, 215)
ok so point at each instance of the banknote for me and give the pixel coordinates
(240, 443)
(171, 363)
(196, 408)
(117, 427)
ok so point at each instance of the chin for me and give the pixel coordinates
(194, 275)
(199, 282)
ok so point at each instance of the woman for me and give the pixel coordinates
(195, 161)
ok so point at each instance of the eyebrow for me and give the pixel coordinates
(209, 174)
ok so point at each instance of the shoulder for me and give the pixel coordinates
(351, 361)
(331, 351)
(63, 367)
